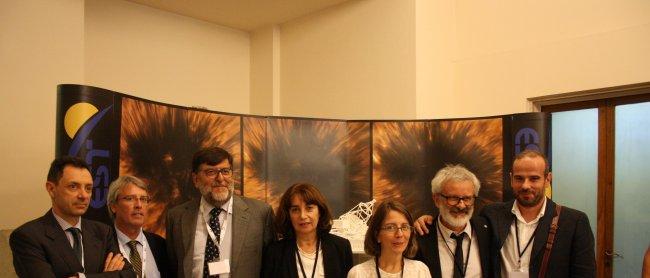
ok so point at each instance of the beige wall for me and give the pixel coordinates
(116, 45)
(352, 61)
(371, 59)
(513, 50)
(161, 56)
(41, 45)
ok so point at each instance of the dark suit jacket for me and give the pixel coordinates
(252, 231)
(159, 250)
(280, 258)
(572, 254)
(41, 249)
(428, 251)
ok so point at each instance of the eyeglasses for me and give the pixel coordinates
(454, 200)
(392, 228)
(132, 198)
(211, 173)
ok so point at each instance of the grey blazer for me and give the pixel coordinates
(252, 232)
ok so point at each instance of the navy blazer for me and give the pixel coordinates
(280, 257)
(428, 251)
(572, 254)
(40, 248)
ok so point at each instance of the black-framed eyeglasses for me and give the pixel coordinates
(211, 173)
(392, 228)
(133, 198)
(455, 200)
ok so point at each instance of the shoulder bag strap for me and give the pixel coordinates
(549, 241)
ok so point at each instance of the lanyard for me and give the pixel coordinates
(401, 274)
(223, 224)
(519, 251)
(461, 269)
(313, 271)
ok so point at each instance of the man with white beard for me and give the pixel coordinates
(450, 247)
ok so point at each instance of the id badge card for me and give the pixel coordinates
(220, 267)
(517, 274)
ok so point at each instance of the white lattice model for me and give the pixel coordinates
(353, 224)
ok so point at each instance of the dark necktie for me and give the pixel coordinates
(134, 257)
(458, 255)
(211, 249)
(76, 246)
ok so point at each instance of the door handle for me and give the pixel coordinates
(613, 255)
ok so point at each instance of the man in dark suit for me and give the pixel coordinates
(61, 243)
(528, 218)
(451, 247)
(127, 205)
(218, 234)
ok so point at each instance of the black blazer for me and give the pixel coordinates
(40, 248)
(159, 250)
(428, 247)
(572, 254)
(280, 257)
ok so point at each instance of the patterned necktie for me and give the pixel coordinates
(211, 249)
(76, 246)
(458, 255)
(134, 257)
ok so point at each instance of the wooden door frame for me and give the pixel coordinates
(605, 100)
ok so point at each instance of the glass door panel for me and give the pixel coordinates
(574, 160)
(631, 189)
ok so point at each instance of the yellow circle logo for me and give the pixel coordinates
(76, 116)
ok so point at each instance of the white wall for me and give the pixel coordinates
(353, 61)
(166, 57)
(116, 45)
(41, 45)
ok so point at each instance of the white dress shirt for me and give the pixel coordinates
(412, 269)
(509, 253)
(447, 256)
(201, 235)
(149, 267)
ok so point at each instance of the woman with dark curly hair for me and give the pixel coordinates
(306, 248)
(389, 239)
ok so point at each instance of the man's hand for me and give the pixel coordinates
(421, 224)
(113, 263)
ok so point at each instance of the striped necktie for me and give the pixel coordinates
(134, 258)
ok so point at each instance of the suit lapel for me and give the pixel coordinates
(54, 232)
(542, 231)
(505, 219)
(437, 271)
(188, 229)
(240, 221)
(91, 245)
(481, 230)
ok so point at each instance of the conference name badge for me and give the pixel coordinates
(220, 267)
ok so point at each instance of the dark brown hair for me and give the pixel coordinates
(57, 166)
(532, 154)
(211, 156)
(370, 245)
(312, 196)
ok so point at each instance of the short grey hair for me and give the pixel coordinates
(116, 186)
(454, 173)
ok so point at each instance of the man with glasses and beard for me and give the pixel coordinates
(521, 227)
(452, 248)
(219, 234)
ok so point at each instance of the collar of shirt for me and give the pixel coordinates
(446, 233)
(207, 207)
(517, 213)
(64, 224)
(123, 239)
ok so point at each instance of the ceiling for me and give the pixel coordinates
(241, 14)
